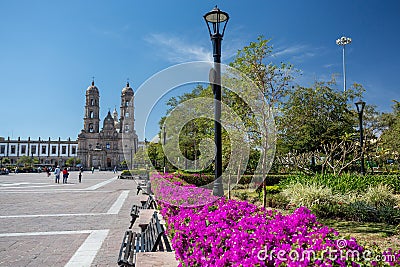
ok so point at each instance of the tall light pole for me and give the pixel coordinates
(216, 21)
(360, 109)
(164, 136)
(343, 41)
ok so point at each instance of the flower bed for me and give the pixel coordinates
(211, 231)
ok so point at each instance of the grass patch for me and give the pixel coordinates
(383, 235)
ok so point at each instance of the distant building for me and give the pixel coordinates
(101, 148)
(116, 141)
(48, 152)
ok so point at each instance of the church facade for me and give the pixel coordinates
(116, 141)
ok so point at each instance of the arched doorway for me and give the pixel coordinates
(108, 163)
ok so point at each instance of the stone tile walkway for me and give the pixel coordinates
(74, 224)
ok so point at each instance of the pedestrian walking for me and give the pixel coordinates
(92, 169)
(65, 175)
(57, 172)
(80, 176)
(115, 169)
(47, 170)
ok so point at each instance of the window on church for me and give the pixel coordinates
(126, 128)
(13, 149)
(91, 130)
(33, 149)
(108, 146)
(44, 150)
(53, 150)
(127, 115)
(64, 149)
(126, 103)
(23, 149)
(73, 150)
(92, 102)
(91, 114)
(2, 149)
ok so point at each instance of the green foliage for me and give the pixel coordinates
(390, 142)
(198, 179)
(155, 154)
(72, 162)
(277, 201)
(360, 211)
(389, 215)
(325, 117)
(25, 161)
(271, 179)
(345, 183)
(6, 161)
(125, 173)
(309, 195)
(272, 189)
(241, 194)
(380, 196)
(374, 202)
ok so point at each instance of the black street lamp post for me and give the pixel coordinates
(360, 109)
(216, 21)
(164, 139)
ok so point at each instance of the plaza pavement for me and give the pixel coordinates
(74, 224)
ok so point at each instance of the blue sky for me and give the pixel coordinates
(49, 51)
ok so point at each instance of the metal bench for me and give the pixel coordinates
(150, 203)
(152, 239)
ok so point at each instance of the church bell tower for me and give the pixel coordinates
(91, 120)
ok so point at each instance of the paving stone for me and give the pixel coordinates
(48, 224)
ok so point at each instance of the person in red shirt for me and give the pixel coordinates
(65, 175)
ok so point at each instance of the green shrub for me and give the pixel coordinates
(360, 211)
(309, 195)
(389, 215)
(277, 201)
(125, 173)
(197, 179)
(380, 196)
(241, 194)
(270, 179)
(345, 183)
(272, 189)
(329, 210)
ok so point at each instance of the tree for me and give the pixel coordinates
(389, 139)
(250, 125)
(6, 161)
(25, 161)
(320, 122)
(274, 82)
(72, 162)
(155, 154)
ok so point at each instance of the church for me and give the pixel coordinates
(97, 147)
(116, 141)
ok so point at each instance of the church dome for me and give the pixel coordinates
(108, 122)
(127, 89)
(92, 89)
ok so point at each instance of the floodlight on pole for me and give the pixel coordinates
(343, 41)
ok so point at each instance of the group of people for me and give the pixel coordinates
(65, 174)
